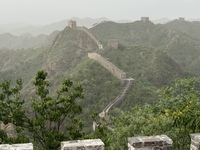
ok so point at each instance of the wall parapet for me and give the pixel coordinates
(108, 65)
(161, 142)
(91, 144)
(84, 29)
(195, 141)
(158, 142)
(24, 146)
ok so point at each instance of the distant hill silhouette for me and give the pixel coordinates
(19, 29)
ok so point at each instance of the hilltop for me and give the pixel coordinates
(191, 28)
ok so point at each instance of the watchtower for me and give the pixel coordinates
(181, 18)
(72, 24)
(114, 43)
(145, 19)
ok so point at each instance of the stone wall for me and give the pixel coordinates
(26, 146)
(95, 144)
(84, 29)
(108, 65)
(72, 24)
(145, 19)
(160, 142)
(117, 100)
(195, 141)
(114, 43)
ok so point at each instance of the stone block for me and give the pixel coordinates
(5, 147)
(135, 142)
(195, 141)
(25, 146)
(159, 142)
(93, 144)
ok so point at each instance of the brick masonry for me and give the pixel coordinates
(159, 142)
(108, 65)
(94, 144)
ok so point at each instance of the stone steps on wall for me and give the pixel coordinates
(96, 40)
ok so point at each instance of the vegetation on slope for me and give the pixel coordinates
(176, 114)
(144, 58)
(190, 28)
(151, 68)
(181, 47)
(49, 120)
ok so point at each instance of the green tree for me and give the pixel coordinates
(140, 120)
(175, 114)
(50, 119)
(181, 103)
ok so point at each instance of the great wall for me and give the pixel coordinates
(97, 41)
(158, 142)
(117, 73)
(108, 65)
(72, 24)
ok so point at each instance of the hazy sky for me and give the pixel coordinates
(48, 11)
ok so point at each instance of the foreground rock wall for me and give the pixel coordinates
(195, 141)
(95, 144)
(25, 146)
(158, 142)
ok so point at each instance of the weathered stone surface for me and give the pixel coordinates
(26, 146)
(94, 144)
(135, 142)
(150, 141)
(195, 141)
(5, 147)
(161, 142)
(166, 139)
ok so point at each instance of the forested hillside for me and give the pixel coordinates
(181, 47)
(151, 54)
(190, 28)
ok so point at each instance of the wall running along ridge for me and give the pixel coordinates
(108, 65)
(84, 29)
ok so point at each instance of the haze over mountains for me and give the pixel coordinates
(18, 29)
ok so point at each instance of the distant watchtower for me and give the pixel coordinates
(145, 19)
(181, 18)
(113, 43)
(72, 24)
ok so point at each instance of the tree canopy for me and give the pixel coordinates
(175, 114)
(49, 119)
